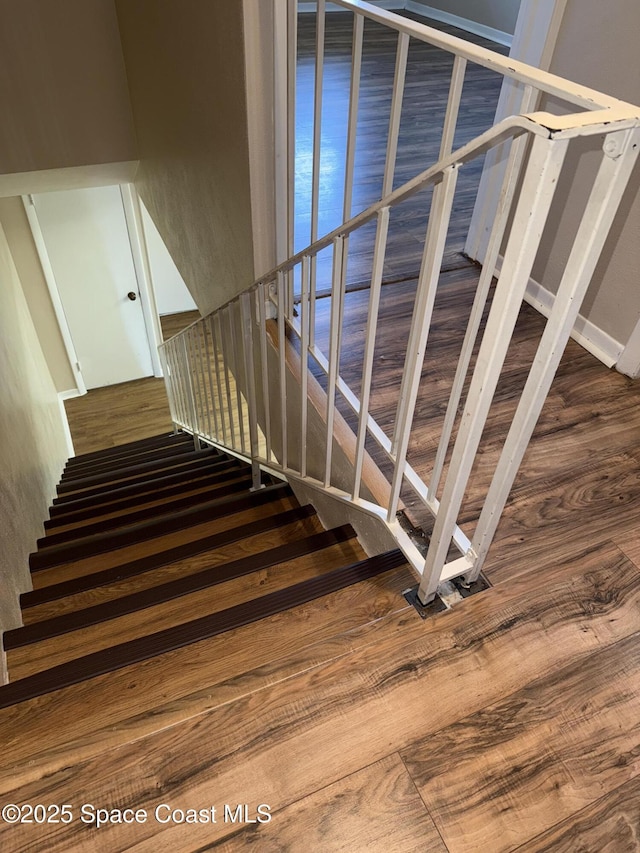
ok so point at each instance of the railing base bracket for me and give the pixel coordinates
(467, 589)
(424, 611)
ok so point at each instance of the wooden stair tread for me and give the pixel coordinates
(159, 525)
(189, 465)
(160, 506)
(169, 590)
(155, 547)
(217, 467)
(121, 512)
(153, 441)
(248, 545)
(108, 710)
(148, 555)
(151, 645)
(128, 472)
(99, 466)
(94, 511)
(249, 587)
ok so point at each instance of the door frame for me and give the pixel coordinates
(153, 333)
(54, 293)
(144, 277)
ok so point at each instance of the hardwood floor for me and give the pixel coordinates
(510, 723)
(423, 109)
(105, 417)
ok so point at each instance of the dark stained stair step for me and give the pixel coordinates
(56, 626)
(155, 561)
(129, 471)
(91, 468)
(241, 484)
(143, 648)
(186, 467)
(104, 496)
(160, 525)
(131, 446)
(137, 500)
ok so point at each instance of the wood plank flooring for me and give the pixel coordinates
(106, 417)
(423, 109)
(510, 723)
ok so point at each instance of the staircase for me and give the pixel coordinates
(158, 562)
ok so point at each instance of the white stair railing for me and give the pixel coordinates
(255, 378)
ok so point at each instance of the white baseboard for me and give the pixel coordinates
(391, 5)
(70, 394)
(469, 26)
(600, 344)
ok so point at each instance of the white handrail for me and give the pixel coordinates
(574, 93)
(227, 385)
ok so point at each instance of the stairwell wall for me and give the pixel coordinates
(63, 89)
(186, 72)
(33, 449)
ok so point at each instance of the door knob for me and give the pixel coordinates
(132, 296)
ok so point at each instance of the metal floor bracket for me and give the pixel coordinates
(449, 594)
(424, 611)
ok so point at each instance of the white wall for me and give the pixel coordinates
(33, 447)
(598, 46)
(170, 291)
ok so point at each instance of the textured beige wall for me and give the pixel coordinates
(499, 14)
(13, 220)
(598, 46)
(63, 89)
(185, 65)
(33, 447)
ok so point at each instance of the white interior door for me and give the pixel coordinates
(86, 238)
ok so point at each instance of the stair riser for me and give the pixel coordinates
(154, 561)
(91, 468)
(99, 544)
(127, 472)
(242, 484)
(106, 496)
(157, 494)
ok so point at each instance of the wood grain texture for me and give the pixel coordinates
(83, 720)
(295, 737)
(106, 417)
(208, 558)
(39, 656)
(376, 809)
(610, 825)
(80, 520)
(184, 585)
(516, 768)
(167, 506)
(157, 545)
(213, 468)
